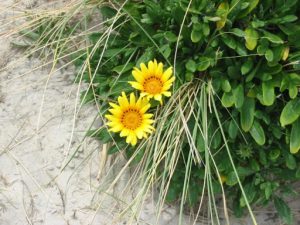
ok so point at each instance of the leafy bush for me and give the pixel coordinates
(235, 106)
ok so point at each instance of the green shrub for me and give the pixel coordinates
(240, 60)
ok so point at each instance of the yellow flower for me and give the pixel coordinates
(130, 118)
(152, 81)
(223, 179)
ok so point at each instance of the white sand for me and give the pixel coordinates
(37, 126)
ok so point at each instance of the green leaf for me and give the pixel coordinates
(119, 87)
(246, 67)
(123, 68)
(290, 161)
(205, 29)
(113, 149)
(102, 134)
(252, 74)
(238, 95)
(267, 187)
(244, 171)
(238, 32)
(251, 6)
(254, 165)
(231, 179)
(285, 53)
(258, 134)
(166, 50)
(196, 35)
(273, 38)
(258, 23)
(295, 137)
(274, 154)
(276, 131)
(222, 11)
(269, 55)
(191, 65)
(251, 37)
(285, 19)
(297, 175)
(233, 72)
(283, 210)
(226, 87)
(227, 99)
(216, 140)
(203, 64)
(189, 76)
(293, 91)
(262, 157)
(232, 129)
(171, 37)
(240, 49)
(247, 114)
(200, 143)
(229, 41)
(290, 112)
(261, 49)
(172, 193)
(288, 19)
(212, 18)
(147, 56)
(268, 93)
(107, 12)
(241, 171)
(250, 191)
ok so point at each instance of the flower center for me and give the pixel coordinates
(153, 85)
(131, 119)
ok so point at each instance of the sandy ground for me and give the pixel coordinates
(41, 121)
(37, 126)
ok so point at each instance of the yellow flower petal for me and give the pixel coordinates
(166, 87)
(124, 133)
(116, 129)
(116, 112)
(143, 94)
(123, 101)
(148, 123)
(144, 69)
(140, 134)
(167, 74)
(171, 80)
(110, 117)
(167, 93)
(148, 116)
(158, 98)
(138, 75)
(114, 105)
(159, 70)
(148, 130)
(145, 108)
(132, 99)
(129, 139)
(151, 68)
(134, 140)
(136, 85)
